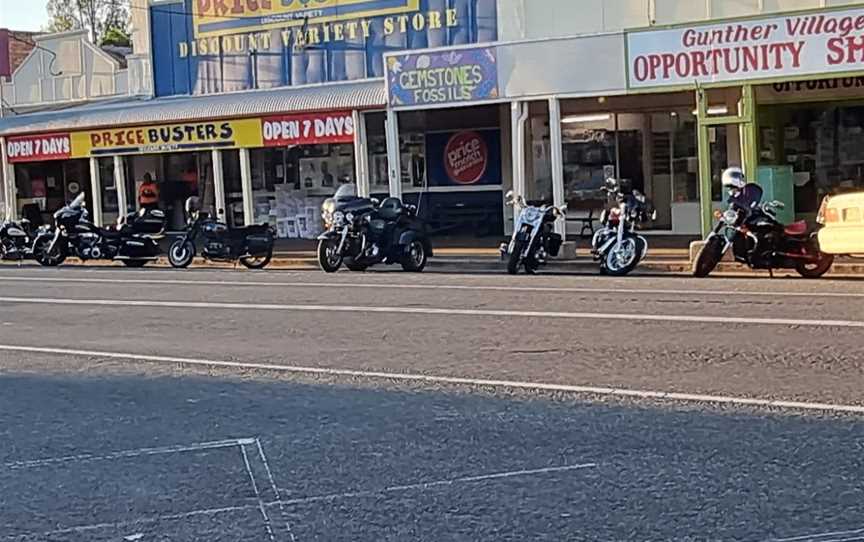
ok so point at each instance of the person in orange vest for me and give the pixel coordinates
(148, 193)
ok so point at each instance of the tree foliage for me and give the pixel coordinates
(101, 18)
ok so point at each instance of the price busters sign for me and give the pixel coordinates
(787, 46)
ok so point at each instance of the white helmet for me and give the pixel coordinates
(733, 177)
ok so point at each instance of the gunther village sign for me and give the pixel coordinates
(785, 47)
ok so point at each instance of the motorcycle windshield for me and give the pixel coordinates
(78, 201)
(346, 192)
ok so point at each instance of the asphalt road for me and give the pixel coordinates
(340, 418)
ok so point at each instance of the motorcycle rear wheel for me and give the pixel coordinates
(257, 262)
(415, 259)
(708, 258)
(181, 254)
(817, 269)
(328, 258)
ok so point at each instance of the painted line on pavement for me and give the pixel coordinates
(164, 450)
(449, 380)
(301, 501)
(455, 287)
(433, 311)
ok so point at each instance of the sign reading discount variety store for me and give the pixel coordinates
(787, 46)
(463, 75)
(308, 129)
(38, 147)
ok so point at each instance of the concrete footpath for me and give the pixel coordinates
(661, 261)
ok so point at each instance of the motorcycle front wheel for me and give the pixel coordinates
(622, 258)
(181, 254)
(40, 252)
(515, 257)
(708, 257)
(329, 258)
(258, 262)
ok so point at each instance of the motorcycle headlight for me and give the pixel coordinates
(730, 216)
(531, 214)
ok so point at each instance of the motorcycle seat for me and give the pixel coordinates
(796, 229)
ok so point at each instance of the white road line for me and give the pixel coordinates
(261, 506)
(274, 488)
(450, 380)
(814, 537)
(308, 500)
(139, 452)
(454, 287)
(422, 486)
(432, 311)
(131, 523)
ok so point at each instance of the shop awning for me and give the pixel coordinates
(366, 94)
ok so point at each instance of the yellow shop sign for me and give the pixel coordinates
(168, 138)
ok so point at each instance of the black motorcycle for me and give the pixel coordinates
(760, 241)
(16, 239)
(361, 233)
(251, 245)
(132, 242)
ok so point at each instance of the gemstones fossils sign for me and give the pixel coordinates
(788, 46)
(308, 129)
(429, 78)
(38, 147)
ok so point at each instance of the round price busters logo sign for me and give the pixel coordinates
(466, 157)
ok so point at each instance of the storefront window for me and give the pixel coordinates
(44, 187)
(655, 150)
(822, 144)
(289, 184)
(538, 184)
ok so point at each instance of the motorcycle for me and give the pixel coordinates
(616, 245)
(132, 242)
(16, 239)
(534, 239)
(251, 245)
(760, 241)
(361, 233)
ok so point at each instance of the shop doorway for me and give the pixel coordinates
(177, 176)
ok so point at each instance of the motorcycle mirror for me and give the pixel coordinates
(654, 215)
(509, 197)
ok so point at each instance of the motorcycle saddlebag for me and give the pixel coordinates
(259, 242)
(149, 222)
(553, 245)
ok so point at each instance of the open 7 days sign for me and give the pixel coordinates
(789, 46)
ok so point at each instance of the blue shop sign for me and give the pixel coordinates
(212, 46)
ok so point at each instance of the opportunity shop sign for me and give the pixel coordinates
(790, 46)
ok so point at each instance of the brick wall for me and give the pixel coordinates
(18, 51)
